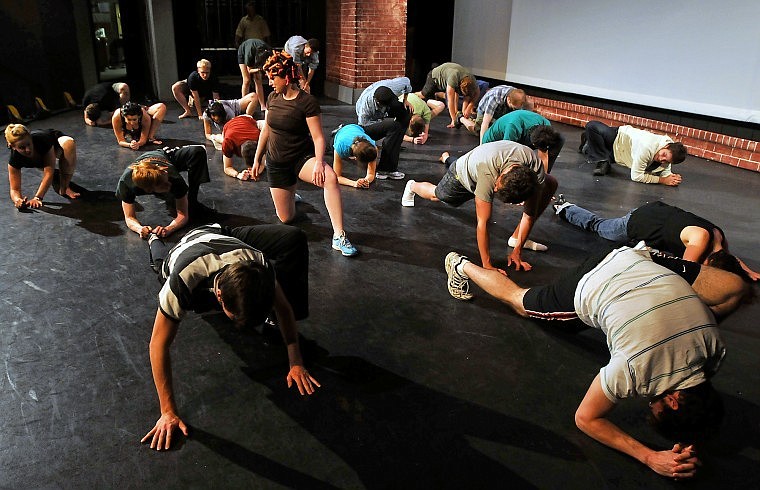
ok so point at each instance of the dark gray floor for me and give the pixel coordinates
(418, 390)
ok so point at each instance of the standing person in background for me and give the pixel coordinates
(251, 56)
(251, 26)
(295, 148)
(305, 54)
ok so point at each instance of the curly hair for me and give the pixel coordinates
(699, 414)
(544, 138)
(15, 133)
(281, 64)
(131, 109)
(516, 185)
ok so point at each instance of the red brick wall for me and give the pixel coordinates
(730, 150)
(366, 41)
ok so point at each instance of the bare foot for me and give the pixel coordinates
(70, 194)
(444, 156)
(184, 115)
(156, 142)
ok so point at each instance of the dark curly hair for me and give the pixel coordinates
(131, 109)
(516, 185)
(699, 414)
(545, 138)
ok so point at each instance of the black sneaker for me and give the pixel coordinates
(602, 167)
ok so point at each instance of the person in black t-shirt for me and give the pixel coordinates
(39, 149)
(197, 90)
(104, 97)
(157, 172)
(664, 227)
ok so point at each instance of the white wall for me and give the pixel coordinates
(695, 56)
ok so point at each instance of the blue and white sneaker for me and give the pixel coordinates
(341, 243)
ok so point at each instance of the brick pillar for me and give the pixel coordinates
(366, 42)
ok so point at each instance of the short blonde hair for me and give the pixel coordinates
(148, 172)
(15, 133)
(203, 63)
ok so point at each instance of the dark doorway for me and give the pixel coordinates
(206, 29)
(428, 41)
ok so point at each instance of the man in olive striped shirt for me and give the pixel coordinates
(663, 340)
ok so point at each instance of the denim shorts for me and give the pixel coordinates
(451, 191)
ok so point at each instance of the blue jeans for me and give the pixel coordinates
(614, 229)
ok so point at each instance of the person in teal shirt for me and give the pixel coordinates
(518, 125)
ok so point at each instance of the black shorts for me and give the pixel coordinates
(430, 87)
(557, 301)
(282, 176)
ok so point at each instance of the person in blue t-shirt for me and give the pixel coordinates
(352, 142)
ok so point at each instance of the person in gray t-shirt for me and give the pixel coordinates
(510, 171)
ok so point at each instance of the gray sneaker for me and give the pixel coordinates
(458, 284)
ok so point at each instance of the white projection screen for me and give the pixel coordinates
(695, 56)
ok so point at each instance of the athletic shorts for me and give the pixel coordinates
(284, 176)
(557, 301)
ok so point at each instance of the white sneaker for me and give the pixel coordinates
(407, 199)
(390, 175)
(529, 244)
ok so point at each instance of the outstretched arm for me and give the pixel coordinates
(164, 331)
(591, 418)
(285, 318)
(523, 231)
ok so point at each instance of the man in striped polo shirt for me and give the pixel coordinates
(663, 340)
(215, 267)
